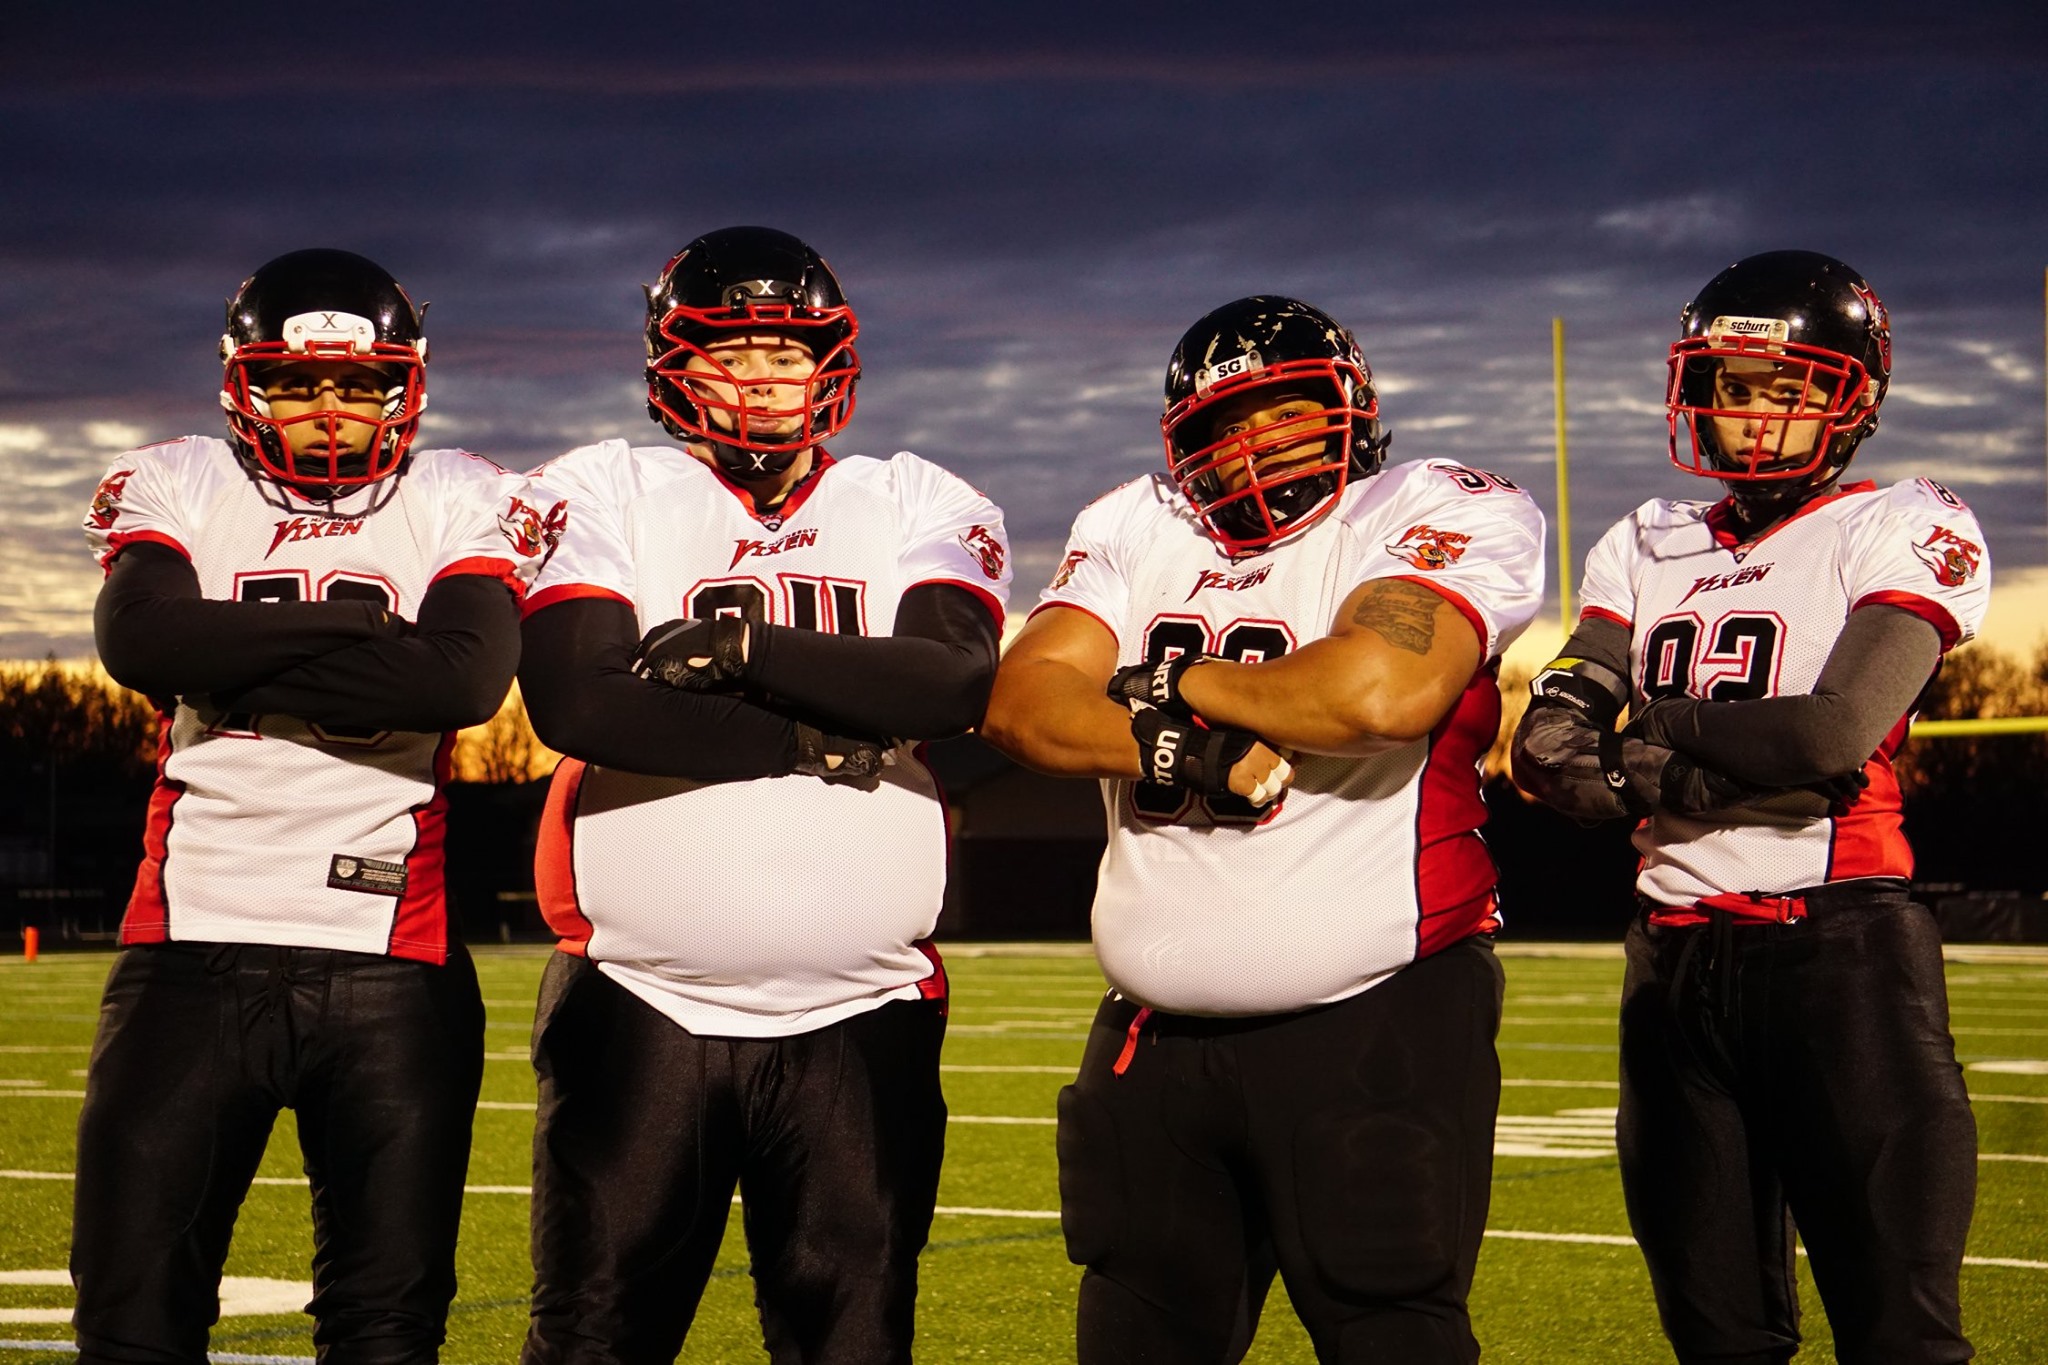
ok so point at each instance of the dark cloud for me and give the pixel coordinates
(1028, 207)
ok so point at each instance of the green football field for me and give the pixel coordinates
(1559, 1280)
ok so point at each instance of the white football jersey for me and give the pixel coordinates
(1710, 618)
(265, 828)
(779, 905)
(1208, 907)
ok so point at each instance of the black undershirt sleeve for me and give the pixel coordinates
(451, 670)
(929, 680)
(1880, 662)
(585, 701)
(158, 634)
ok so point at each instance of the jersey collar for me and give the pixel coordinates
(784, 510)
(1721, 520)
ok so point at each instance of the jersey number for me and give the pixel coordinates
(1246, 642)
(294, 587)
(834, 605)
(1739, 664)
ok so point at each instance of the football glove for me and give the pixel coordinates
(1157, 685)
(860, 760)
(696, 656)
(1180, 753)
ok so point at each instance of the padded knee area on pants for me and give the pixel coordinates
(1380, 1197)
(1091, 1178)
(1410, 1337)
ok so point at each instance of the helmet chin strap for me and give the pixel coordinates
(741, 463)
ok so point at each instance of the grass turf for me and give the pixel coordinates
(996, 1285)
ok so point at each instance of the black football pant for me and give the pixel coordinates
(1802, 1068)
(199, 1046)
(833, 1137)
(1350, 1147)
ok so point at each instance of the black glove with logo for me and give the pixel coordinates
(696, 656)
(860, 760)
(1157, 684)
(1180, 753)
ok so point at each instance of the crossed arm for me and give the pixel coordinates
(925, 681)
(331, 663)
(1396, 660)
(1797, 753)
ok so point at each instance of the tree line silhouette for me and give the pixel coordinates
(79, 753)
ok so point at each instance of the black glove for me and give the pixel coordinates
(860, 760)
(696, 656)
(1157, 684)
(1841, 792)
(1686, 788)
(1657, 721)
(1180, 753)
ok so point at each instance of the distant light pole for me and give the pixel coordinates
(1564, 487)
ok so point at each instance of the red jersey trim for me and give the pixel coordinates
(419, 923)
(1928, 610)
(1870, 840)
(122, 540)
(563, 592)
(486, 566)
(785, 509)
(149, 910)
(1454, 872)
(1602, 614)
(554, 861)
(1721, 516)
(1043, 606)
(1465, 609)
(934, 986)
(988, 599)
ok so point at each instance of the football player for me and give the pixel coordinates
(315, 605)
(1280, 658)
(738, 644)
(1785, 1053)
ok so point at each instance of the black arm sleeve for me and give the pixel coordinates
(584, 701)
(452, 670)
(929, 680)
(157, 634)
(1881, 660)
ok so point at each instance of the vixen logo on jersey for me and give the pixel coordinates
(1714, 582)
(986, 549)
(1216, 578)
(1953, 559)
(310, 528)
(106, 499)
(522, 524)
(1428, 548)
(795, 540)
(1065, 574)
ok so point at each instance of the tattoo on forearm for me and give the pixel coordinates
(1404, 614)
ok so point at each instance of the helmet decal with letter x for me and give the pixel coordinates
(1254, 484)
(310, 311)
(1776, 377)
(729, 286)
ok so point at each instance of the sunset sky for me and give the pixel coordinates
(1027, 205)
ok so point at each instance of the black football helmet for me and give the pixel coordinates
(730, 284)
(323, 305)
(1797, 347)
(1242, 484)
